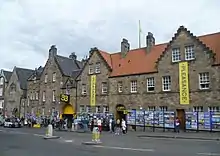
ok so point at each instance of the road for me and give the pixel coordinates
(26, 142)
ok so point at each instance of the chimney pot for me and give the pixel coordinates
(73, 56)
(150, 41)
(52, 51)
(125, 47)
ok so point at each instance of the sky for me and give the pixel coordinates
(29, 27)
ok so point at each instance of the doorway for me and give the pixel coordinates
(181, 116)
(120, 109)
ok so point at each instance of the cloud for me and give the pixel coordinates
(29, 27)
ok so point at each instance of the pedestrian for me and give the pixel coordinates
(123, 126)
(99, 122)
(177, 125)
(110, 125)
(113, 125)
(117, 132)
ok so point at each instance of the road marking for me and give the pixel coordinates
(123, 148)
(210, 154)
(68, 141)
(179, 139)
(40, 135)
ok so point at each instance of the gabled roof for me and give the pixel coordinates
(23, 75)
(7, 74)
(139, 61)
(70, 82)
(37, 73)
(67, 65)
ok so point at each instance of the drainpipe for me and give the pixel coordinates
(76, 105)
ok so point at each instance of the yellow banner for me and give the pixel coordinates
(93, 90)
(184, 83)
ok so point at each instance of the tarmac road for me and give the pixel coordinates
(23, 142)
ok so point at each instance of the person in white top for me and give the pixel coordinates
(110, 125)
(99, 122)
(123, 125)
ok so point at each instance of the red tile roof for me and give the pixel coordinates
(138, 61)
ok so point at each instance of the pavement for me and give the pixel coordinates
(26, 142)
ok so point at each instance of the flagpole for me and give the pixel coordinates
(139, 33)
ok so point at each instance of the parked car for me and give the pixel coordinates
(12, 123)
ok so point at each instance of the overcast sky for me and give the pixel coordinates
(29, 27)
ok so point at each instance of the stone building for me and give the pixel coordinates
(148, 78)
(4, 79)
(56, 78)
(16, 92)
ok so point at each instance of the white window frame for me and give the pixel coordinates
(163, 108)
(98, 67)
(98, 109)
(189, 52)
(176, 57)
(166, 83)
(43, 111)
(88, 109)
(120, 87)
(35, 79)
(54, 77)
(45, 78)
(91, 71)
(150, 84)
(104, 87)
(1, 104)
(134, 86)
(84, 89)
(151, 108)
(214, 109)
(53, 95)
(204, 79)
(44, 96)
(1, 91)
(36, 95)
(198, 109)
(105, 109)
(1, 80)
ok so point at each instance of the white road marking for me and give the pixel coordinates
(210, 154)
(40, 135)
(179, 139)
(68, 141)
(123, 148)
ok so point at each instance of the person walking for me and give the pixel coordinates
(110, 125)
(123, 126)
(177, 125)
(99, 122)
(117, 132)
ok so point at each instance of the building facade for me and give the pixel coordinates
(16, 92)
(55, 78)
(149, 78)
(4, 79)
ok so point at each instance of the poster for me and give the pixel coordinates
(191, 120)
(215, 121)
(93, 90)
(139, 118)
(156, 118)
(204, 120)
(131, 117)
(148, 117)
(169, 119)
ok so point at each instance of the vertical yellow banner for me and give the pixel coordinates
(184, 83)
(93, 90)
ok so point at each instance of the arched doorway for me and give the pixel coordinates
(68, 113)
(120, 112)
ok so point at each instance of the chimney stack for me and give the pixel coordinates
(52, 51)
(150, 41)
(73, 56)
(125, 47)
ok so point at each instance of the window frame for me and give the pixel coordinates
(104, 87)
(46, 78)
(120, 87)
(133, 86)
(91, 70)
(53, 96)
(189, 52)
(84, 89)
(44, 96)
(150, 84)
(54, 76)
(205, 81)
(168, 84)
(98, 68)
(176, 55)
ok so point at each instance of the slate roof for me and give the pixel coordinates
(67, 65)
(37, 73)
(7, 74)
(23, 75)
(137, 61)
(74, 75)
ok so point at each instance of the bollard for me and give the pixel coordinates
(49, 133)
